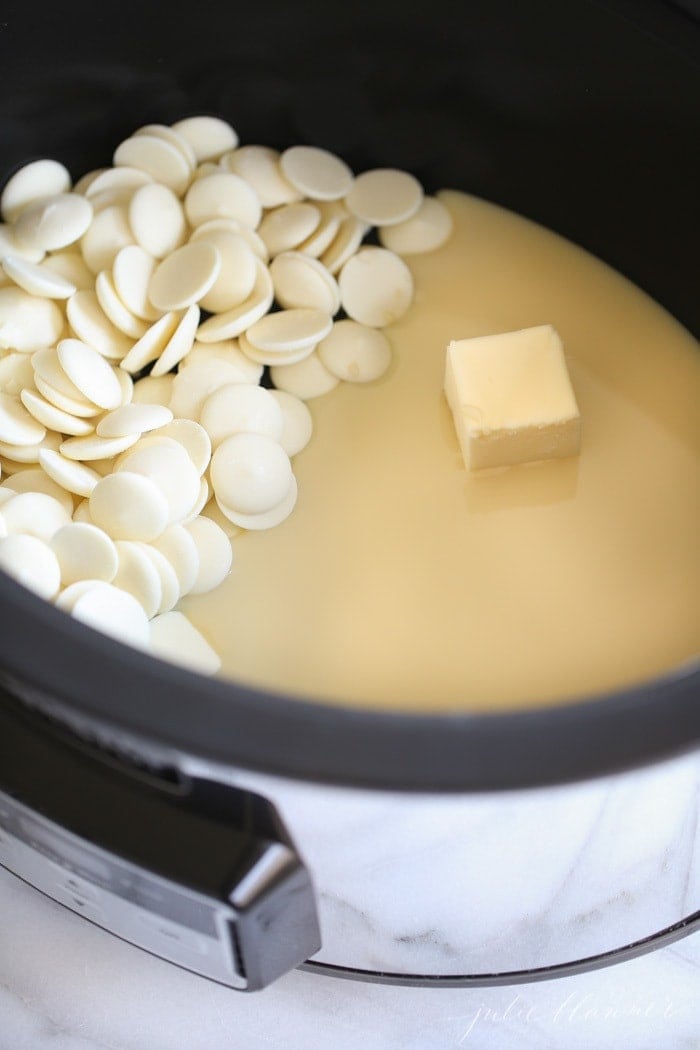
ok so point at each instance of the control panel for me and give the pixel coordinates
(199, 873)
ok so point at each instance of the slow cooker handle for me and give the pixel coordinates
(198, 872)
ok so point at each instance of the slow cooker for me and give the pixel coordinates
(238, 833)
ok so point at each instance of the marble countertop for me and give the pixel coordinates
(68, 985)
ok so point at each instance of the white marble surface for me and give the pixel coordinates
(67, 985)
(454, 884)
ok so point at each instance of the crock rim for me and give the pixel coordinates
(89, 680)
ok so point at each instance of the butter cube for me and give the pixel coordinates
(511, 398)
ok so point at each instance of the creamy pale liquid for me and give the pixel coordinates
(402, 581)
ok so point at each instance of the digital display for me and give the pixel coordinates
(61, 849)
(173, 903)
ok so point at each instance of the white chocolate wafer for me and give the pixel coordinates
(286, 227)
(160, 159)
(174, 638)
(54, 222)
(222, 196)
(84, 552)
(70, 475)
(385, 196)
(241, 407)
(306, 379)
(376, 287)
(90, 373)
(354, 352)
(41, 178)
(114, 612)
(36, 279)
(28, 323)
(185, 276)
(250, 473)
(260, 167)
(316, 172)
(215, 554)
(209, 137)
(297, 424)
(32, 563)
(90, 324)
(129, 506)
(176, 544)
(425, 231)
(133, 419)
(157, 220)
(36, 514)
(171, 469)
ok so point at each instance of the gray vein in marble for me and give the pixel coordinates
(432, 937)
(46, 1029)
(581, 852)
(694, 820)
(338, 903)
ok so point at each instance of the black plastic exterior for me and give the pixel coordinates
(582, 116)
(153, 713)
